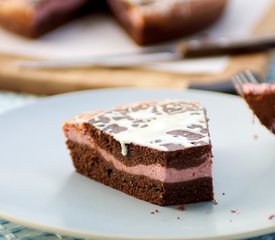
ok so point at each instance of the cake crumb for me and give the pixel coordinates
(155, 211)
(215, 202)
(235, 211)
(223, 193)
(255, 136)
(178, 218)
(271, 217)
(180, 208)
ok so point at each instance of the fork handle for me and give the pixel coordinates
(226, 46)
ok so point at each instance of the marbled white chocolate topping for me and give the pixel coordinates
(165, 125)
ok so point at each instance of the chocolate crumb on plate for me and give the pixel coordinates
(235, 211)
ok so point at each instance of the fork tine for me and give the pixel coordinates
(237, 82)
(250, 77)
(245, 77)
(239, 78)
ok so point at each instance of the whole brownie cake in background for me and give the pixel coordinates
(146, 21)
(157, 151)
(261, 100)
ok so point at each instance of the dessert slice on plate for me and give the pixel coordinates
(260, 97)
(156, 151)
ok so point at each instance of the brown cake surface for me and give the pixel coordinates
(261, 100)
(32, 18)
(147, 21)
(158, 151)
(152, 21)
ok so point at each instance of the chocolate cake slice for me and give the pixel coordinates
(152, 21)
(261, 100)
(156, 151)
(32, 18)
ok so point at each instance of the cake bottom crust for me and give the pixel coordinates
(89, 163)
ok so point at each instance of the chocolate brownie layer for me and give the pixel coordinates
(89, 163)
(152, 21)
(261, 100)
(55, 20)
(34, 18)
(265, 114)
(136, 154)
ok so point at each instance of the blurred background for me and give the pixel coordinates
(101, 29)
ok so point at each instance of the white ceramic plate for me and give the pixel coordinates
(39, 187)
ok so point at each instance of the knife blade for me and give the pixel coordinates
(119, 60)
(190, 49)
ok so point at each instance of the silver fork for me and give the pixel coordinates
(243, 77)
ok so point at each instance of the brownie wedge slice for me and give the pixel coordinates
(157, 151)
(261, 100)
